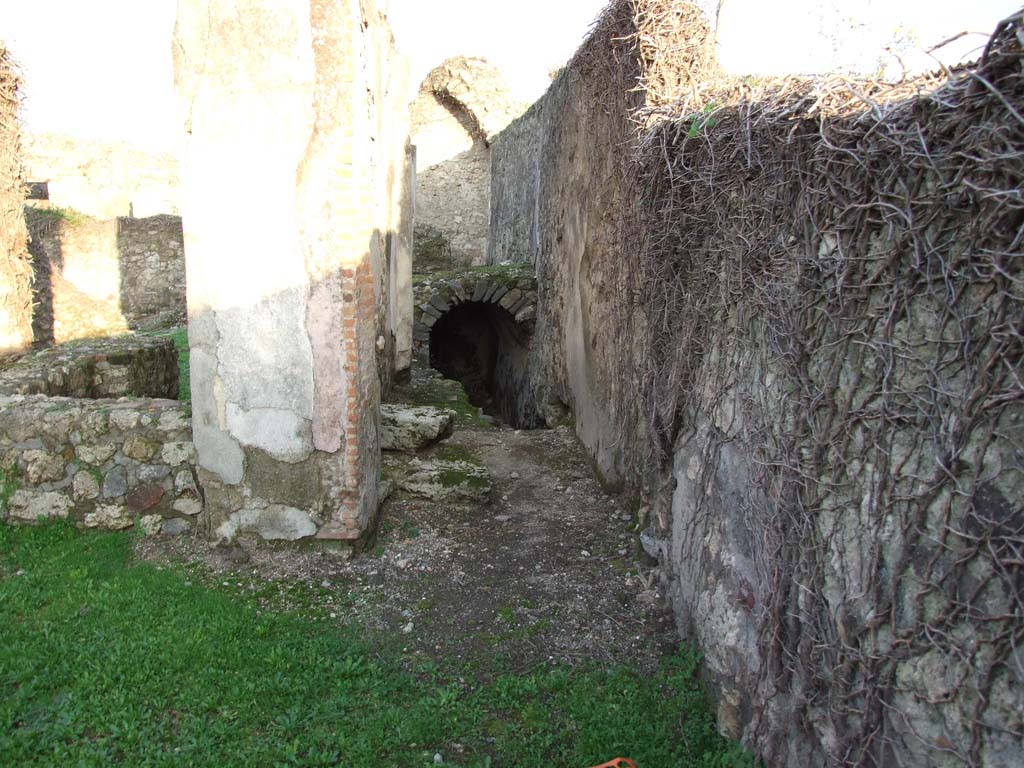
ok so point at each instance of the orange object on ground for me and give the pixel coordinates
(618, 762)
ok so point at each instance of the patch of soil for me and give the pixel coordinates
(545, 572)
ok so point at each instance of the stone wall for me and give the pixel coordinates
(796, 338)
(138, 366)
(96, 277)
(559, 186)
(512, 233)
(287, 115)
(460, 106)
(106, 464)
(15, 261)
(152, 262)
(100, 179)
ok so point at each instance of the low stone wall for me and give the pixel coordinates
(103, 463)
(139, 366)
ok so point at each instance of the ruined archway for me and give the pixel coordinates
(460, 106)
(477, 328)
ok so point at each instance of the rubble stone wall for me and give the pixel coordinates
(107, 464)
(461, 105)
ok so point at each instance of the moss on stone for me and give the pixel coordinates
(454, 476)
(428, 387)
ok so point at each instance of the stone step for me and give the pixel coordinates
(410, 428)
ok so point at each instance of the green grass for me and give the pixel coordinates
(44, 220)
(105, 662)
(180, 338)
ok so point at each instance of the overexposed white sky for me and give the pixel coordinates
(102, 68)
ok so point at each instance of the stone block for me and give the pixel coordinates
(175, 526)
(510, 299)
(481, 289)
(32, 505)
(110, 517)
(144, 497)
(526, 313)
(441, 480)
(85, 486)
(96, 454)
(177, 453)
(273, 523)
(139, 448)
(153, 473)
(41, 467)
(411, 428)
(150, 524)
(115, 483)
(188, 505)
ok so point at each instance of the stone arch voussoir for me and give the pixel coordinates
(516, 295)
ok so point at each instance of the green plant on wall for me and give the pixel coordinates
(702, 121)
(10, 481)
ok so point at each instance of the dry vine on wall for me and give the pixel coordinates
(15, 262)
(839, 263)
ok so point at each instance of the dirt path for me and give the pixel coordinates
(544, 572)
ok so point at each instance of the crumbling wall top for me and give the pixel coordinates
(475, 85)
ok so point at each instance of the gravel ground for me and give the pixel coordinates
(547, 571)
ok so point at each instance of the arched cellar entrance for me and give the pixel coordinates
(480, 345)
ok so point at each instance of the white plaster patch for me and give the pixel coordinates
(275, 522)
(284, 435)
(215, 449)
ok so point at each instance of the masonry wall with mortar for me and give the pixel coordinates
(106, 464)
(789, 457)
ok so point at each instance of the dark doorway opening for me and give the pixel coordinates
(481, 346)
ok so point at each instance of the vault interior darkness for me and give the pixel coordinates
(481, 346)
